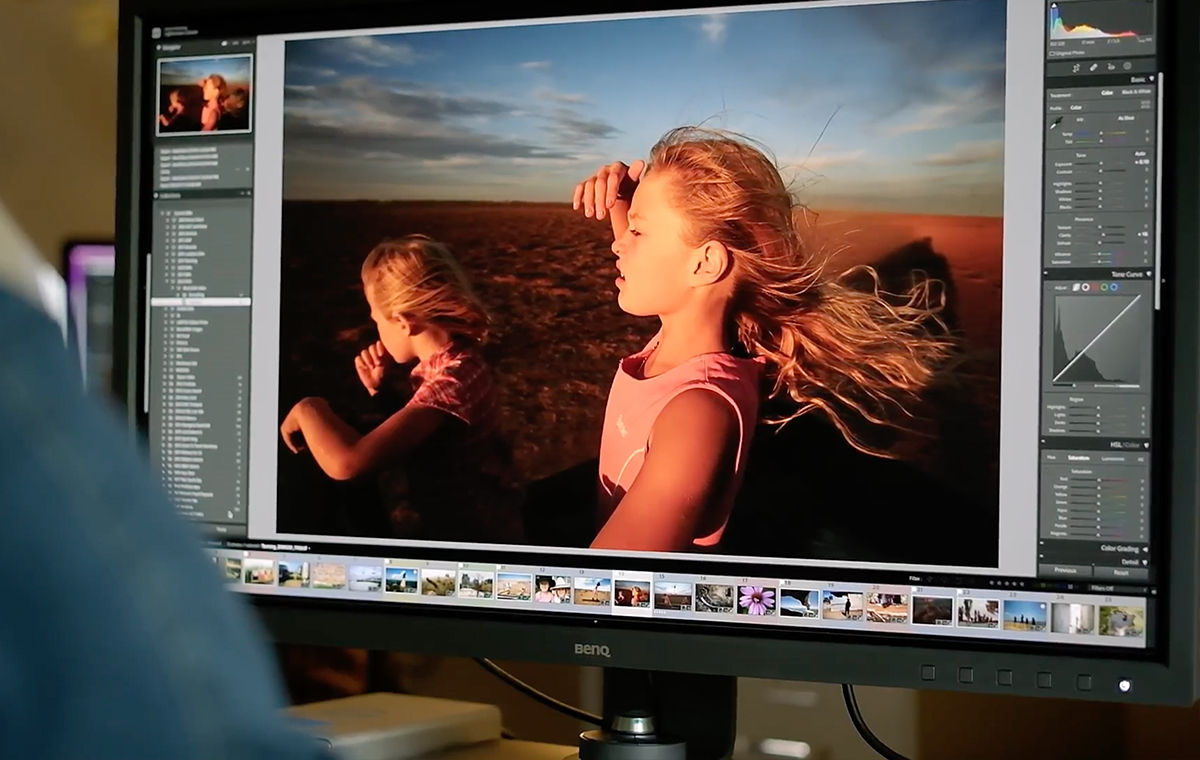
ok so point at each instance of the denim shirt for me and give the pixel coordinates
(116, 636)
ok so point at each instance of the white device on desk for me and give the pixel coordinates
(385, 726)
(508, 749)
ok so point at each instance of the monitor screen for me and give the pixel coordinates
(88, 268)
(837, 318)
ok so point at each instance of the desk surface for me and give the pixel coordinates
(503, 749)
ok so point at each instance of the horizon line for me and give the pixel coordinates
(826, 209)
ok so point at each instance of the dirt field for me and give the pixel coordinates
(592, 597)
(546, 274)
(513, 589)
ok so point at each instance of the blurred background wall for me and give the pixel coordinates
(57, 164)
(58, 121)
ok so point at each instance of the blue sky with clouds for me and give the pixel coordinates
(235, 69)
(915, 92)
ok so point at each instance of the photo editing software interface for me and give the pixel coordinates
(389, 356)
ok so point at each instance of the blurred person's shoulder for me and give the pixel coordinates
(25, 274)
(119, 636)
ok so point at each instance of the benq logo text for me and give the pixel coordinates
(594, 650)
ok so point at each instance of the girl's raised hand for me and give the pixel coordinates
(293, 436)
(371, 364)
(611, 187)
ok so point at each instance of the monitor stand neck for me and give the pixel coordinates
(650, 715)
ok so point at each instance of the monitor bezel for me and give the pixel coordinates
(1172, 678)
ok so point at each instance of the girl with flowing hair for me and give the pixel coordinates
(707, 240)
(184, 108)
(447, 433)
(215, 90)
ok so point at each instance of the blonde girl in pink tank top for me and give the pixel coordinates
(705, 241)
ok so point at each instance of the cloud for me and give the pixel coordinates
(304, 69)
(924, 50)
(714, 27)
(357, 118)
(359, 115)
(975, 104)
(379, 141)
(376, 51)
(394, 99)
(568, 127)
(819, 162)
(452, 162)
(553, 96)
(966, 153)
(300, 92)
(985, 58)
(536, 65)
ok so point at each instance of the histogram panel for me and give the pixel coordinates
(1093, 28)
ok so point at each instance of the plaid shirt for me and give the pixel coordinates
(457, 381)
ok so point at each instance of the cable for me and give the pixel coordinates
(532, 693)
(865, 732)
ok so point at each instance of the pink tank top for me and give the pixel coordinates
(635, 402)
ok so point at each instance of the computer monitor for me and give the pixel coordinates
(88, 268)
(982, 304)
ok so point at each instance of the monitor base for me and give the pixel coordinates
(658, 715)
(613, 745)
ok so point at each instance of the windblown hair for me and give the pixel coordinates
(219, 82)
(418, 278)
(191, 97)
(861, 356)
(235, 102)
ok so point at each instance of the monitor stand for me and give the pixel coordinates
(655, 715)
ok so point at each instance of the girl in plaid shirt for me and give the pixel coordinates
(446, 434)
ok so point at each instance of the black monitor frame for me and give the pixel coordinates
(1172, 678)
